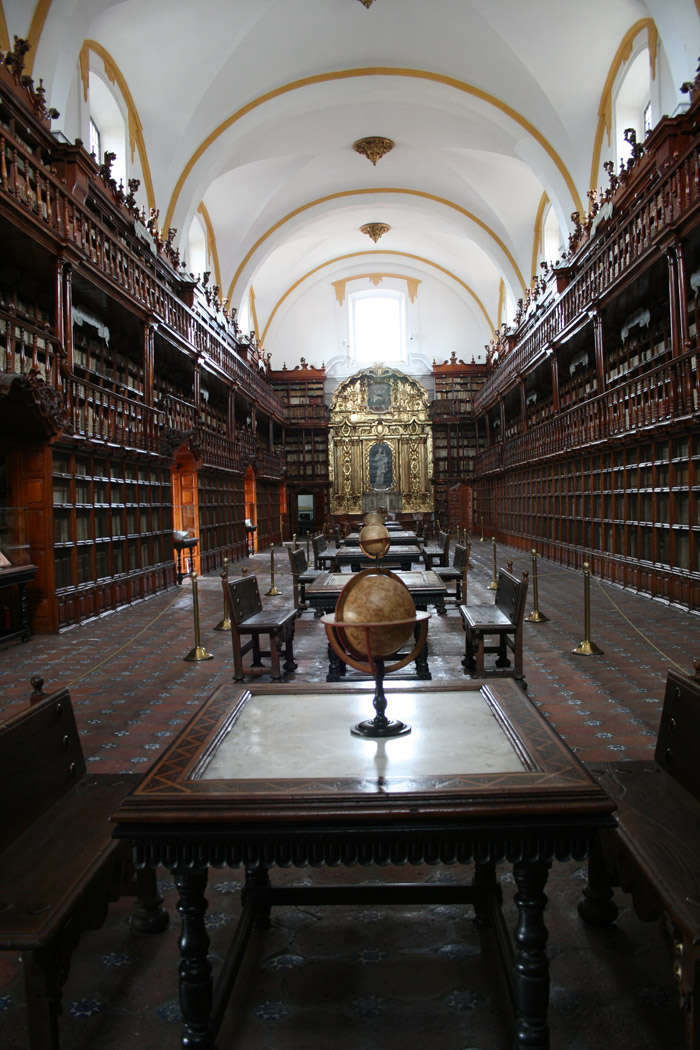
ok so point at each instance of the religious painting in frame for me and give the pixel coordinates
(379, 395)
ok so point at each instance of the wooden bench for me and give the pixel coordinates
(249, 618)
(59, 865)
(437, 554)
(456, 573)
(502, 620)
(654, 852)
(302, 576)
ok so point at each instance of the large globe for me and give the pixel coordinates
(374, 540)
(379, 597)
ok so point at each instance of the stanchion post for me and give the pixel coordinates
(225, 624)
(535, 616)
(482, 529)
(199, 652)
(273, 590)
(294, 542)
(587, 647)
(493, 586)
(308, 548)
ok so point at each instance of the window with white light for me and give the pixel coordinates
(95, 141)
(378, 327)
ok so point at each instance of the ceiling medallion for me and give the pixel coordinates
(374, 147)
(375, 230)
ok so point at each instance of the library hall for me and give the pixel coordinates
(349, 524)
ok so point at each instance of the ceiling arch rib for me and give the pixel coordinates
(346, 258)
(490, 243)
(548, 155)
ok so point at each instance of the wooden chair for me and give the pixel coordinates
(653, 853)
(302, 575)
(456, 573)
(437, 554)
(248, 617)
(502, 620)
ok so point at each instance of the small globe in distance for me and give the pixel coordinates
(374, 540)
(379, 597)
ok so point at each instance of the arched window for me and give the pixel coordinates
(109, 133)
(633, 103)
(551, 236)
(377, 326)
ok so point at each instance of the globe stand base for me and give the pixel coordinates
(379, 729)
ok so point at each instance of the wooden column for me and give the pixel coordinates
(68, 315)
(231, 421)
(523, 406)
(197, 386)
(555, 383)
(682, 297)
(676, 345)
(148, 362)
(599, 351)
(58, 320)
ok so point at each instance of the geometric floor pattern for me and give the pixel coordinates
(363, 978)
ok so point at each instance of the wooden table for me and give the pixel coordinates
(267, 776)
(426, 589)
(402, 555)
(397, 538)
(18, 576)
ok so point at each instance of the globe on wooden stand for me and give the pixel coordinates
(374, 617)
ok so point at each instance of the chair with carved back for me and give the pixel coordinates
(302, 575)
(249, 618)
(437, 554)
(456, 572)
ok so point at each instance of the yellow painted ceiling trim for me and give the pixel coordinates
(212, 251)
(35, 30)
(501, 300)
(605, 108)
(136, 140)
(253, 312)
(538, 238)
(4, 35)
(355, 255)
(373, 71)
(377, 190)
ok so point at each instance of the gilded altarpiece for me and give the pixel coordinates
(380, 444)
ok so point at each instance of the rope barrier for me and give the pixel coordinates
(635, 628)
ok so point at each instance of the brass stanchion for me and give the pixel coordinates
(273, 590)
(482, 528)
(493, 586)
(308, 548)
(198, 653)
(225, 624)
(294, 542)
(535, 616)
(469, 553)
(587, 647)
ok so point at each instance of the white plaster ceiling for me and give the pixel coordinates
(251, 108)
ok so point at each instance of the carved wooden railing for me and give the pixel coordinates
(38, 190)
(611, 255)
(178, 414)
(664, 395)
(25, 348)
(101, 415)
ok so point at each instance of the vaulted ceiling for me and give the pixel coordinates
(245, 112)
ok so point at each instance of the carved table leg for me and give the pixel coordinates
(196, 986)
(336, 666)
(422, 668)
(596, 906)
(290, 663)
(530, 964)
(257, 887)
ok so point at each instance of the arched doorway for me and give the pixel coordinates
(251, 509)
(183, 476)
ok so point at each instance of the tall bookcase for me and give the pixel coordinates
(454, 439)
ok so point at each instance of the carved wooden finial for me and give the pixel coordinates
(37, 684)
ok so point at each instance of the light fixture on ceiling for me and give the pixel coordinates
(367, 3)
(375, 230)
(374, 148)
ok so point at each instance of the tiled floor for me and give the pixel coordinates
(363, 979)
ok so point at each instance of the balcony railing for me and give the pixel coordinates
(666, 394)
(101, 415)
(668, 198)
(26, 181)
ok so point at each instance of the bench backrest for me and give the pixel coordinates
(460, 558)
(243, 598)
(41, 759)
(510, 595)
(677, 742)
(297, 561)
